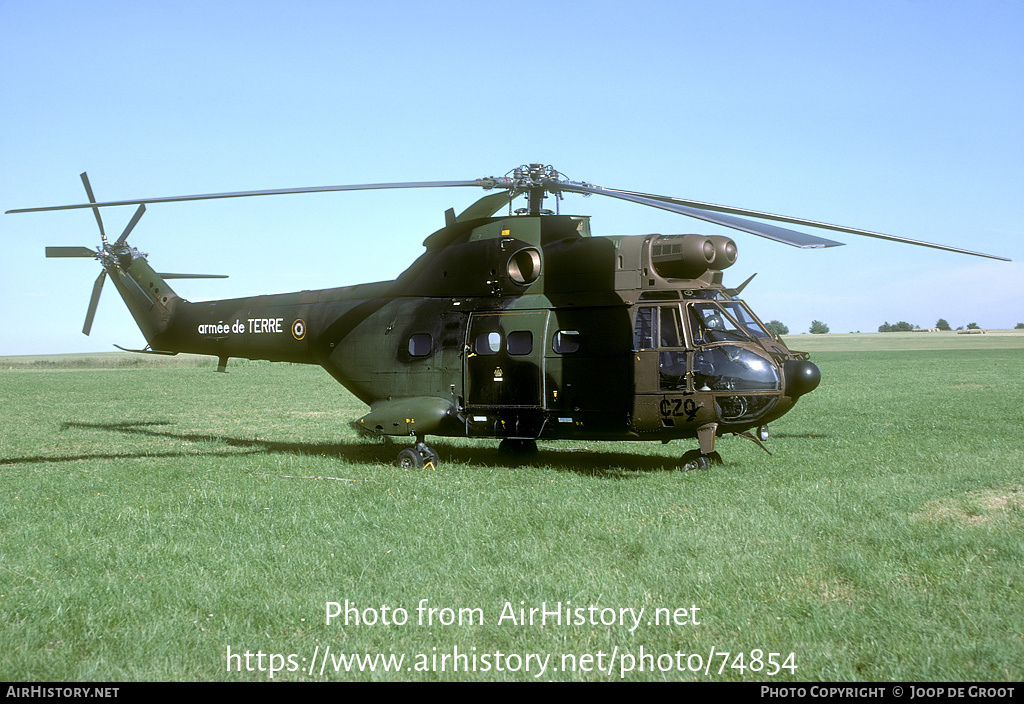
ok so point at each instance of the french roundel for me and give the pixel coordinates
(299, 329)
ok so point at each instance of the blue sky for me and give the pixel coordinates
(899, 117)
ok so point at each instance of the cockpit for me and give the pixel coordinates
(711, 346)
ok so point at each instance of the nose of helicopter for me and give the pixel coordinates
(802, 377)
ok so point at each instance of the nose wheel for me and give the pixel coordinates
(706, 455)
(419, 456)
(695, 459)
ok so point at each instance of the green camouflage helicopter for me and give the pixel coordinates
(516, 327)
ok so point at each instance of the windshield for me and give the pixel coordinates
(731, 368)
(745, 318)
(710, 324)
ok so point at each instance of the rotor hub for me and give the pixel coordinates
(530, 176)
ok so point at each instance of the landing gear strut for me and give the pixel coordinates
(706, 455)
(419, 456)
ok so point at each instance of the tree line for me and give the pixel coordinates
(776, 327)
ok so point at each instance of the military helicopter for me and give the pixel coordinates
(515, 327)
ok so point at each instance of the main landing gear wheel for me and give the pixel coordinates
(694, 459)
(419, 456)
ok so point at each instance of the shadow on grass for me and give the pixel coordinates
(374, 452)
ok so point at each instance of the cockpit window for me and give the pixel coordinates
(656, 327)
(661, 328)
(745, 318)
(671, 335)
(710, 324)
(734, 369)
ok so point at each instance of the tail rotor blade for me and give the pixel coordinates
(94, 301)
(96, 211)
(131, 225)
(70, 252)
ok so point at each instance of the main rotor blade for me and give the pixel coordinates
(772, 232)
(70, 252)
(480, 183)
(131, 225)
(801, 221)
(192, 276)
(94, 301)
(92, 199)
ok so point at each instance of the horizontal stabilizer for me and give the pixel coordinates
(147, 351)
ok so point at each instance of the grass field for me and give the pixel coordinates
(155, 519)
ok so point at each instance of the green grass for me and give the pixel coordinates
(153, 517)
(906, 341)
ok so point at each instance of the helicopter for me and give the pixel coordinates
(513, 326)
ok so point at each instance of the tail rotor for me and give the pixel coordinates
(107, 254)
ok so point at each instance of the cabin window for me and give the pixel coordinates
(488, 343)
(520, 342)
(420, 345)
(566, 341)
